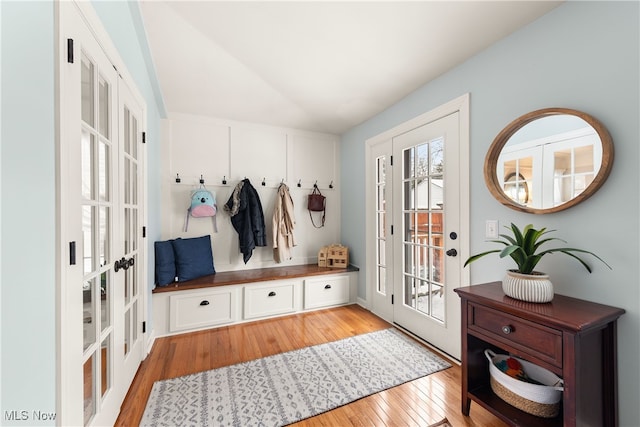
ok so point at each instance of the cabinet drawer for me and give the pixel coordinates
(196, 310)
(268, 300)
(324, 292)
(530, 338)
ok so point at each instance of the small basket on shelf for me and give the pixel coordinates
(542, 398)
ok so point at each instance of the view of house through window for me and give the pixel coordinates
(423, 244)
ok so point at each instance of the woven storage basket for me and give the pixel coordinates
(539, 400)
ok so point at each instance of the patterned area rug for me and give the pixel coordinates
(288, 387)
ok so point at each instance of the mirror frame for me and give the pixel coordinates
(491, 160)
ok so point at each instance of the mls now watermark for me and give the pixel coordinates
(29, 416)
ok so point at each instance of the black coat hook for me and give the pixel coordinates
(263, 182)
(201, 180)
(224, 180)
(299, 184)
(331, 184)
(178, 178)
(315, 184)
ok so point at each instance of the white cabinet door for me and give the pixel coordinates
(192, 310)
(326, 291)
(270, 299)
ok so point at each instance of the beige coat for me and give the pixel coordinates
(283, 223)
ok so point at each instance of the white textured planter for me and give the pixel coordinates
(528, 287)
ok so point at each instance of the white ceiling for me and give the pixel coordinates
(320, 66)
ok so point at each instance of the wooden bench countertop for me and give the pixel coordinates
(237, 277)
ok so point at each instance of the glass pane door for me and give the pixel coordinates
(131, 210)
(96, 147)
(422, 213)
(131, 203)
(426, 199)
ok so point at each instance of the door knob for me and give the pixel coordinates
(452, 252)
(120, 264)
(123, 264)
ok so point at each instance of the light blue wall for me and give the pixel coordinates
(582, 55)
(28, 210)
(28, 193)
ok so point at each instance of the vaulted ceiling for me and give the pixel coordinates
(321, 66)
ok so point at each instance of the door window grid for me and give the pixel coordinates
(96, 224)
(131, 211)
(423, 243)
(381, 225)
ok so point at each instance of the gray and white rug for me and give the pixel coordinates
(288, 387)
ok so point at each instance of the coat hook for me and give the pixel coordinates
(178, 178)
(224, 180)
(299, 184)
(331, 184)
(201, 180)
(315, 184)
(263, 183)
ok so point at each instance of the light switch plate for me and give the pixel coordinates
(491, 229)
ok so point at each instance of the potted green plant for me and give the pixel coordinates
(524, 283)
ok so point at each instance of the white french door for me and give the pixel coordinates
(100, 303)
(418, 224)
(426, 243)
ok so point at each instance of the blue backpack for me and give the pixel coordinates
(203, 204)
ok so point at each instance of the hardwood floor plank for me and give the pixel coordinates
(418, 403)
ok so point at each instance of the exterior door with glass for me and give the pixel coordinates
(426, 218)
(100, 191)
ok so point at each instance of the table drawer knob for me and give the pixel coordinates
(507, 329)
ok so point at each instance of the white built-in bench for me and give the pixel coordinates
(231, 297)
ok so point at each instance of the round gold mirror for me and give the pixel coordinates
(548, 160)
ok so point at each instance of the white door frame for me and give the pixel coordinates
(460, 105)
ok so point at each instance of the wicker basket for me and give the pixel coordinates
(539, 400)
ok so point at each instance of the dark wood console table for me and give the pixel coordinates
(573, 338)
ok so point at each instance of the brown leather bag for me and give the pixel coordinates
(316, 202)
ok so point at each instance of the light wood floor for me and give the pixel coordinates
(418, 403)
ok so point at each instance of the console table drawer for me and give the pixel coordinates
(531, 338)
(269, 300)
(201, 309)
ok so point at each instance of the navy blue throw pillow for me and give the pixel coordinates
(194, 257)
(165, 263)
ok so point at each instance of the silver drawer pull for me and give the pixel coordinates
(507, 329)
(205, 302)
(327, 286)
(272, 294)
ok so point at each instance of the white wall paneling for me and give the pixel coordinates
(199, 148)
(313, 158)
(258, 153)
(217, 149)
